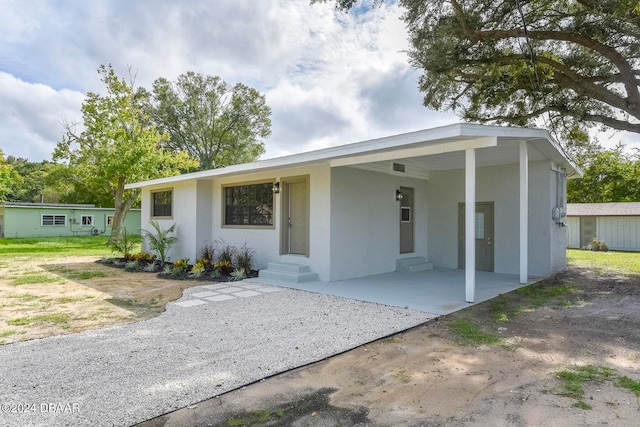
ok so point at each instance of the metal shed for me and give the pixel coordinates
(616, 224)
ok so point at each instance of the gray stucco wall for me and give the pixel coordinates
(365, 222)
(498, 184)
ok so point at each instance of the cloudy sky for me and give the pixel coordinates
(330, 78)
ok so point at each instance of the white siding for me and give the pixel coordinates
(619, 233)
(573, 232)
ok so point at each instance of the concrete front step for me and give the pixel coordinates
(413, 265)
(288, 272)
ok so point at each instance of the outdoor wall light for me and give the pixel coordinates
(276, 187)
(399, 195)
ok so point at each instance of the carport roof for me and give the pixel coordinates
(436, 148)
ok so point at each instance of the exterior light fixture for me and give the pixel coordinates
(399, 195)
(276, 187)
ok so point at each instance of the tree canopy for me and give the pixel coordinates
(572, 63)
(609, 176)
(117, 145)
(214, 122)
(9, 178)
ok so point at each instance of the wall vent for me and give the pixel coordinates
(399, 167)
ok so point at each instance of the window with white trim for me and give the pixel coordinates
(249, 205)
(86, 220)
(54, 220)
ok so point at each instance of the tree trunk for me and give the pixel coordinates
(122, 206)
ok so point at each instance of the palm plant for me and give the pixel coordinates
(161, 240)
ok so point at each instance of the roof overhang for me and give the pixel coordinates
(434, 149)
(439, 147)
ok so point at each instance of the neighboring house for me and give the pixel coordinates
(382, 205)
(51, 219)
(616, 224)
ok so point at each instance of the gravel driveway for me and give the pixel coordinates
(202, 346)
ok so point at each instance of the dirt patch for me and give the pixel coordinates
(424, 377)
(45, 297)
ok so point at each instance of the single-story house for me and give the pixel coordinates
(616, 224)
(458, 197)
(53, 219)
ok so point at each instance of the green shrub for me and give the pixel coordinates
(207, 255)
(199, 268)
(244, 258)
(238, 275)
(123, 245)
(181, 264)
(143, 257)
(224, 267)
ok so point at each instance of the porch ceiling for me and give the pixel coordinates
(501, 154)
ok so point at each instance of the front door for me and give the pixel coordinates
(406, 220)
(484, 236)
(296, 217)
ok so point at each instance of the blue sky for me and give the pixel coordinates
(330, 78)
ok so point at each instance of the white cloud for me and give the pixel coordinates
(31, 117)
(329, 77)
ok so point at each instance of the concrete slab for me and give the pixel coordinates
(204, 294)
(439, 291)
(216, 286)
(219, 298)
(190, 303)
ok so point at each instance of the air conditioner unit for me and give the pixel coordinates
(95, 231)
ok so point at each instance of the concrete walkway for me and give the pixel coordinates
(216, 338)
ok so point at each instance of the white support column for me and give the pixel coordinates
(524, 212)
(470, 224)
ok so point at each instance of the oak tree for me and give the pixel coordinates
(116, 145)
(564, 64)
(216, 123)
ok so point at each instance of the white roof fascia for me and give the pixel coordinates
(445, 147)
(436, 136)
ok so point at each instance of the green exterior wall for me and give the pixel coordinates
(20, 221)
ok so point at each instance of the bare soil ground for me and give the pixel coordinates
(52, 296)
(422, 377)
(426, 377)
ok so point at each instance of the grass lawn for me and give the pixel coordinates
(53, 285)
(57, 246)
(617, 262)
